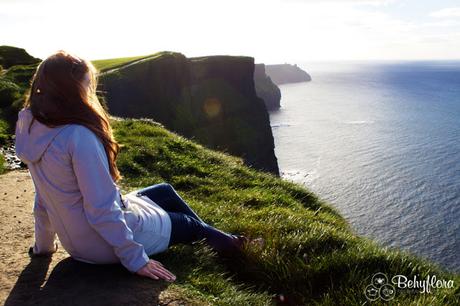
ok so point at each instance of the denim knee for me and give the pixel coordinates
(159, 186)
(163, 186)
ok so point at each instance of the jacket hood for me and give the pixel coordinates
(31, 146)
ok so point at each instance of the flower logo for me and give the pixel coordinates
(380, 288)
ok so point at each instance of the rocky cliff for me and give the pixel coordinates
(266, 89)
(209, 99)
(286, 73)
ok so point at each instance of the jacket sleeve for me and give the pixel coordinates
(44, 231)
(101, 198)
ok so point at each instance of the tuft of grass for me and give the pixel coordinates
(311, 256)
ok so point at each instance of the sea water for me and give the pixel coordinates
(380, 141)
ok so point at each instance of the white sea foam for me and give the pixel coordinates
(280, 125)
(359, 122)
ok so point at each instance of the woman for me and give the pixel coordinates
(64, 136)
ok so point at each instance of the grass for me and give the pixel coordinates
(113, 63)
(311, 255)
(2, 164)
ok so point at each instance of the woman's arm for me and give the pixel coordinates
(44, 231)
(101, 196)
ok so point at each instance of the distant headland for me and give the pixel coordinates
(286, 73)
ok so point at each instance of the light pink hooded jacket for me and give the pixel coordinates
(77, 199)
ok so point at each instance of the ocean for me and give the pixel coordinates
(380, 141)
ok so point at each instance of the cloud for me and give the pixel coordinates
(270, 30)
(452, 12)
(368, 2)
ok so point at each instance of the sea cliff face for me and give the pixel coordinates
(211, 100)
(286, 73)
(266, 89)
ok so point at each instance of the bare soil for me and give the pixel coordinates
(60, 280)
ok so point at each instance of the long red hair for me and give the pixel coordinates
(59, 94)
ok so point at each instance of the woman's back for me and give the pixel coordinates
(75, 195)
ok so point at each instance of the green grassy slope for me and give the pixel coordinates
(311, 255)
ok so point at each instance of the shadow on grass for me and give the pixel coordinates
(72, 282)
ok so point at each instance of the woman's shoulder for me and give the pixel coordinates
(79, 134)
(74, 130)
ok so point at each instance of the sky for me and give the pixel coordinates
(271, 31)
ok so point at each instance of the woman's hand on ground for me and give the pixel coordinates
(154, 269)
(46, 254)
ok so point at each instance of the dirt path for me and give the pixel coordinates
(61, 280)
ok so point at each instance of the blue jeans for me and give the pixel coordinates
(186, 225)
